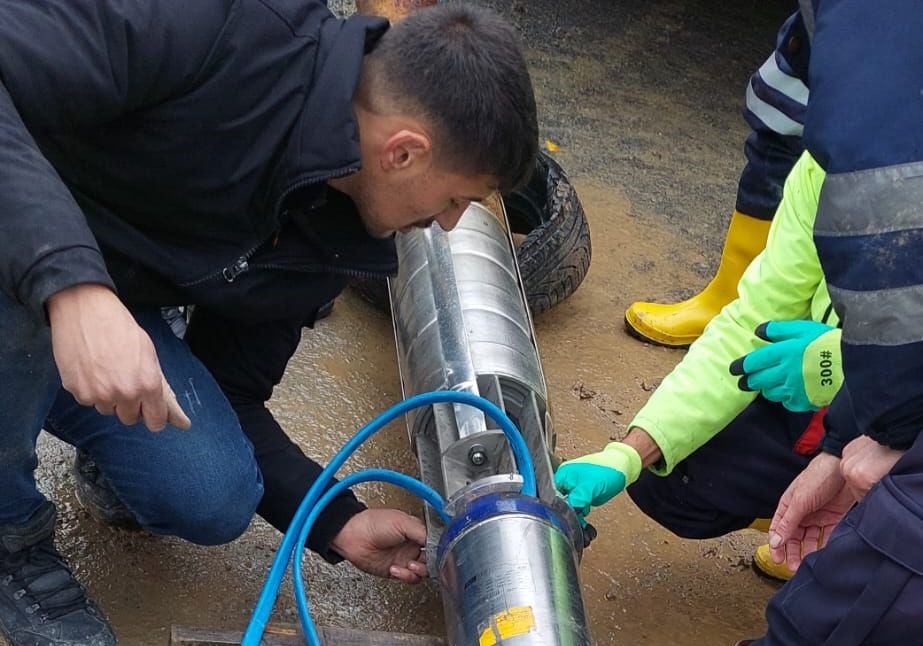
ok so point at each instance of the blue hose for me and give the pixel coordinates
(270, 591)
(412, 485)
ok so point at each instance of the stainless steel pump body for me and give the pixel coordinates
(507, 564)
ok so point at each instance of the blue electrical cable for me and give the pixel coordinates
(270, 591)
(404, 481)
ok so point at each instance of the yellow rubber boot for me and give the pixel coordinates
(762, 558)
(765, 566)
(761, 525)
(679, 324)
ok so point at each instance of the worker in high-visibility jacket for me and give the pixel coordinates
(731, 426)
(862, 126)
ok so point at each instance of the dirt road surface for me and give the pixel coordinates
(643, 100)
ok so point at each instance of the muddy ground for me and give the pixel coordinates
(643, 99)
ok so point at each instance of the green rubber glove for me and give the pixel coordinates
(594, 479)
(801, 368)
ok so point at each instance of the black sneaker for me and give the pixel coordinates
(41, 603)
(97, 497)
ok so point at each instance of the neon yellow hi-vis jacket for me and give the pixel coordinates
(785, 282)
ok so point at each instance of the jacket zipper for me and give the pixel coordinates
(308, 269)
(232, 271)
(242, 264)
(308, 182)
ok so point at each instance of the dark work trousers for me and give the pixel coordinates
(738, 476)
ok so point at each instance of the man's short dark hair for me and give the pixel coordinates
(462, 68)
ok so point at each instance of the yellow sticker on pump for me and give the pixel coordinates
(509, 623)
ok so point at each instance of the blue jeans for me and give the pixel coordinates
(202, 485)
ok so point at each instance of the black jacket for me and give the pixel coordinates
(177, 151)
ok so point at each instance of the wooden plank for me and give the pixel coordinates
(286, 635)
(345, 637)
(275, 635)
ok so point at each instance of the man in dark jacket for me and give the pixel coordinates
(245, 156)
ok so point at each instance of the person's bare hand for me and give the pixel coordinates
(107, 361)
(384, 542)
(865, 462)
(808, 511)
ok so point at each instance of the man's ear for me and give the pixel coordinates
(406, 149)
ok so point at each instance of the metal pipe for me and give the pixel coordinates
(453, 339)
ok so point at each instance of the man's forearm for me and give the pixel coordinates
(644, 444)
(288, 474)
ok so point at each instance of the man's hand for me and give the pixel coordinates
(808, 511)
(107, 361)
(384, 542)
(865, 462)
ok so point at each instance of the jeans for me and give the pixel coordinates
(202, 485)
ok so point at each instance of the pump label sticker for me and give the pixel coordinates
(509, 623)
